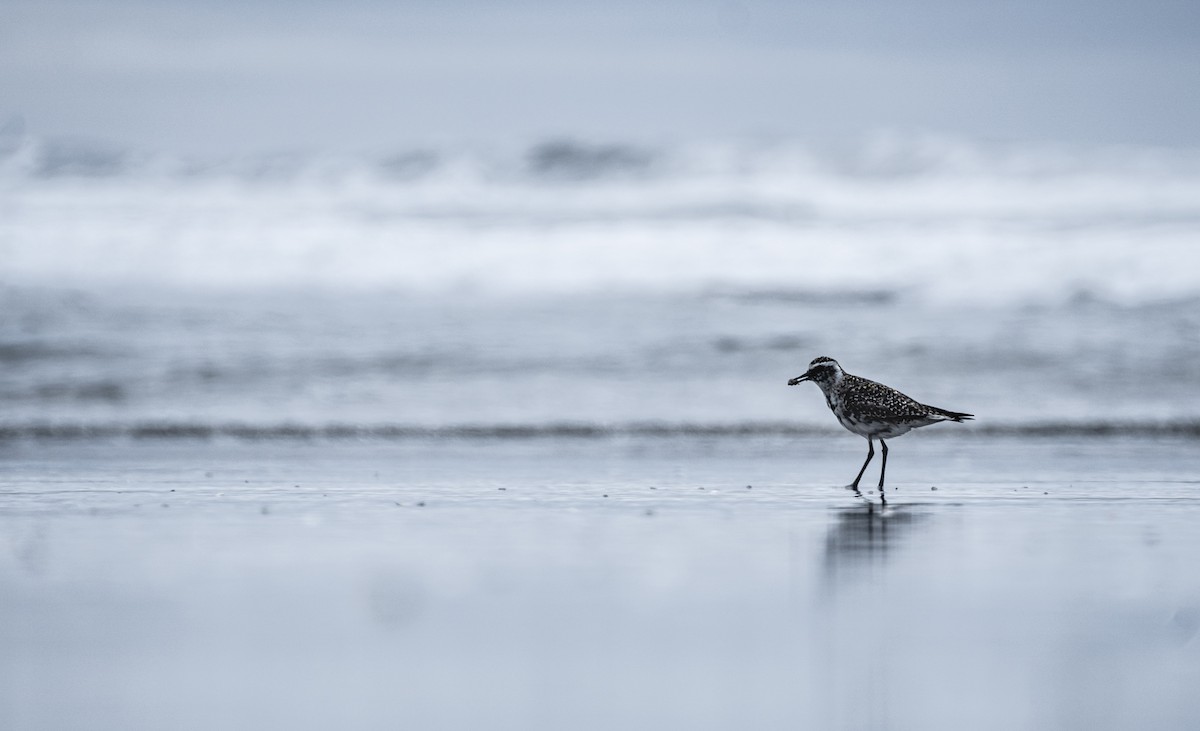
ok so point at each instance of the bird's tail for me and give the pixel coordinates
(952, 415)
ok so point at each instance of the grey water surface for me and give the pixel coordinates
(599, 582)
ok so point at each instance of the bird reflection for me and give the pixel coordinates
(863, 535)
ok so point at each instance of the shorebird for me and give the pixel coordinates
(871, 410)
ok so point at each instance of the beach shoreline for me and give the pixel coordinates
(548, 583)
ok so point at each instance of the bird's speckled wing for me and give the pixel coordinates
(866, 400)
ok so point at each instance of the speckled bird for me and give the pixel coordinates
(871, 410)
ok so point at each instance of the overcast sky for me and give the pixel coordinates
(220, 76)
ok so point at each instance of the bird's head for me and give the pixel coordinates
(823, 371)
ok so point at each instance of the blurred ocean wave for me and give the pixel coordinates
(886, 157)
(595, 284)
(172, 431)
(151, 430)
(714, 357)
(938, 219)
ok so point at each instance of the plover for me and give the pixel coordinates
(871, 410)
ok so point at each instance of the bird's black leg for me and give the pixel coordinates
(882, 471)
(870, 454)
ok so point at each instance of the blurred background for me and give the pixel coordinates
(273, 218)
(254, 232)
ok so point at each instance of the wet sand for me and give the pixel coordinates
(599, 583)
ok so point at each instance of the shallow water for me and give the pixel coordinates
(212, 361)
(674, 582)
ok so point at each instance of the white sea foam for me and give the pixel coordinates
(944, 221)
